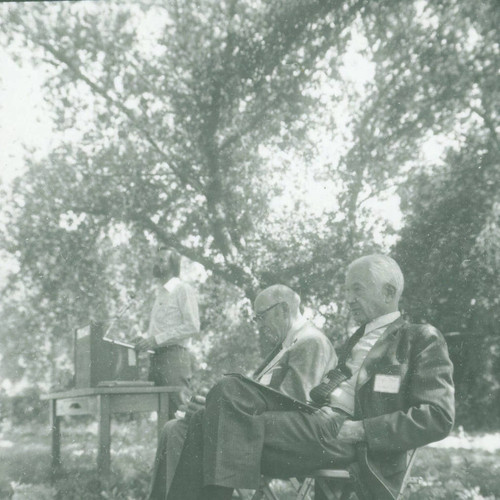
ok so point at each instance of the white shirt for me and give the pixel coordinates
(343, 396)
(174, 316)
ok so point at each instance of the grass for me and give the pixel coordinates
(461, 468)
(25, 462)
(455, 474)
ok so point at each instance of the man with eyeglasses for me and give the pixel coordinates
(301, 357)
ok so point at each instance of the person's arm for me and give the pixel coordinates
(431, 409)
(305, 366)
(190, 326)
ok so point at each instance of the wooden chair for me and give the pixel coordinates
(335, 484)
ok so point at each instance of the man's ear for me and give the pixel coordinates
(389, 291)
(286, 309)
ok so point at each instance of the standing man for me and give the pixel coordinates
(392, 390)
(300, 359)
(173, 322)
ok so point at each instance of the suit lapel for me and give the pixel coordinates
(273, 362)
(373, 358)
(267, 360)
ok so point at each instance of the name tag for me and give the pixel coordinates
(387, 383)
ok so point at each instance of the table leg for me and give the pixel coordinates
(55, 430)
(163, 408)
(104, 422)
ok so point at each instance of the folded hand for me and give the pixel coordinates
(352, 431)
(197, 402)
(142, 344)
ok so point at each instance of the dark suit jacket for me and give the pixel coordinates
(420, 412)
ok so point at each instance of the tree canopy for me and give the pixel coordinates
(201, 124)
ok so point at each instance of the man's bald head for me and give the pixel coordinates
(277, 294)
(374, 284)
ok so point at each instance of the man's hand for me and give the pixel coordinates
(142, 344)
(352, 431)
(197, 402)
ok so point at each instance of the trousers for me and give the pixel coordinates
(167, 457)
(244, 432)
(172, 365)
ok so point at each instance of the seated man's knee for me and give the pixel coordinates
(235, 393)
(166, 432)
(225, 388)
(177, 431)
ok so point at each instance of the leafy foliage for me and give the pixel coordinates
(451, 230)
(199, 123)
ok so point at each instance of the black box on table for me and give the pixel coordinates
(98, 359)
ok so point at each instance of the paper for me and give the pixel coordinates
(387, 383)
(283, 399)
(132, 357)
(83, 332)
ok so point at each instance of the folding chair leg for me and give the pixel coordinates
(268, 493)
(303, 489)
(326, 489)
(346, 493)
(264, 492)
(258, 494)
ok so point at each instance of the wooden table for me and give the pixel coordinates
(103, 402)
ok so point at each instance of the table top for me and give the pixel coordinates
(97, 391)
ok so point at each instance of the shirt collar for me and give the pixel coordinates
(381, 321)
(171, 284)
(297, 325)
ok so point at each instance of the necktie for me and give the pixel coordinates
(267, 360)
(335, 377)
(349, 345)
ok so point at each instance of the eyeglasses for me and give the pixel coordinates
(260, 315)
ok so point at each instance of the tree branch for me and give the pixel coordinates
(231, 273)
(58, 55)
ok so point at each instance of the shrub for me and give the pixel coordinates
(28, 407)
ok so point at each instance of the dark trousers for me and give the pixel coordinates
(245, 432)
(172, 366)
(167, 457)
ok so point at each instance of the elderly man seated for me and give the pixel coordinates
(301, 358)
(392, 390)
